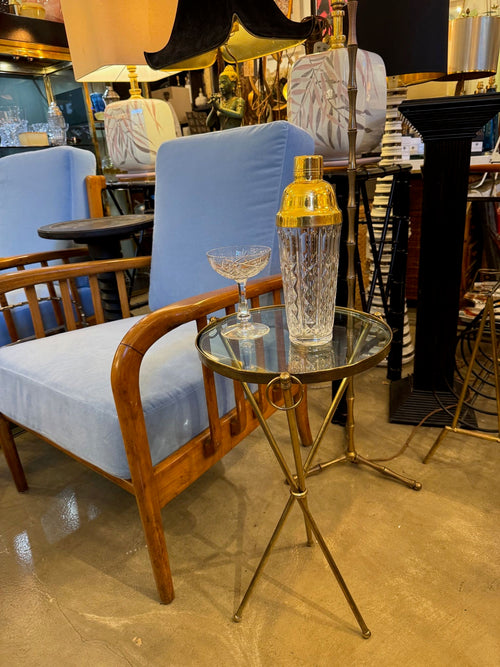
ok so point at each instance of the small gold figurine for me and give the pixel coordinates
(227, 107)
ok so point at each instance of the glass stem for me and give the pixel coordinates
(243, 313)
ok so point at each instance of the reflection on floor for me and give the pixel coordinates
(423, 567)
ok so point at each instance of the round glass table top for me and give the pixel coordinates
(359, 341)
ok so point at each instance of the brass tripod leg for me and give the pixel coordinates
(286, 386)
(333, 566)
(298, 492)
(263, 560)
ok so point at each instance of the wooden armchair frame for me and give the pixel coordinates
(95, 186)
(64, 276)
(152, 485)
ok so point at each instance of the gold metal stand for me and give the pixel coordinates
(298, 491)
(487, 316)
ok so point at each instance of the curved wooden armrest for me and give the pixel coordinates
(156, 324)
(126, 388)
(21, 261)
(64, 276)
(31, 277)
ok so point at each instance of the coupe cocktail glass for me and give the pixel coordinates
(239, 263)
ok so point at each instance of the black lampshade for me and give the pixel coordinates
(411, 36)
(202, 27)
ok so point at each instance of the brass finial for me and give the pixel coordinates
(337, 39)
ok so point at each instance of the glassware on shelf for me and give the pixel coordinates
(12, 123)
(56, 125)
(110, 95)
(34, 10)
(240, 263)
(109, 170)
(309, 224)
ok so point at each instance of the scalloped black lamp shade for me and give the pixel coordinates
(241, 29)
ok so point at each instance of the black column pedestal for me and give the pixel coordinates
(447, 126)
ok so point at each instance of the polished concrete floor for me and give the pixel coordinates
(423, 566)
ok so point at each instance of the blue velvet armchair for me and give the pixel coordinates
(38, 188)
(130, 398)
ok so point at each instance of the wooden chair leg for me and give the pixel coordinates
(12, 457)
(150, 513)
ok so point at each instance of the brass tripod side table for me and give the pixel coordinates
(360, 341)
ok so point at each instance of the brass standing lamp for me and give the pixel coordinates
(346, 386)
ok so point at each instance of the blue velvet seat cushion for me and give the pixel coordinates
(76, 409)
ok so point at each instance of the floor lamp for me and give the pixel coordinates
(345, 389)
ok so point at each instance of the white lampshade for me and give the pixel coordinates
(107, 40)
(105, 36)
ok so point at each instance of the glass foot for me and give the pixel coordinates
(246, 331)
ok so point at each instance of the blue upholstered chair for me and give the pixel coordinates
(155, 427)
(38, 188)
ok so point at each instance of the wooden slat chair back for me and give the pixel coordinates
(62, 287)
(8, 309)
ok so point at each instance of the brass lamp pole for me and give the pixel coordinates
(347, 384)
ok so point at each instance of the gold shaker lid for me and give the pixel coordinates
(309, 201)
(308, 166)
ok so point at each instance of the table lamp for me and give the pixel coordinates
(239, 29)
(107, 40)
(317, 97)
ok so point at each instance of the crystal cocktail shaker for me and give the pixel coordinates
(309, 223)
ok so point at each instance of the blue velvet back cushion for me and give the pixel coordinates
(203, 203)
(38, 188)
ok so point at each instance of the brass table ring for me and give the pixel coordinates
(285, 408)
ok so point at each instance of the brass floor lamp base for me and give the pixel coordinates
(351, 455)
(354, 457)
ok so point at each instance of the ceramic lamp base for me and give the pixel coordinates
(135, 128)
(318, 101)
